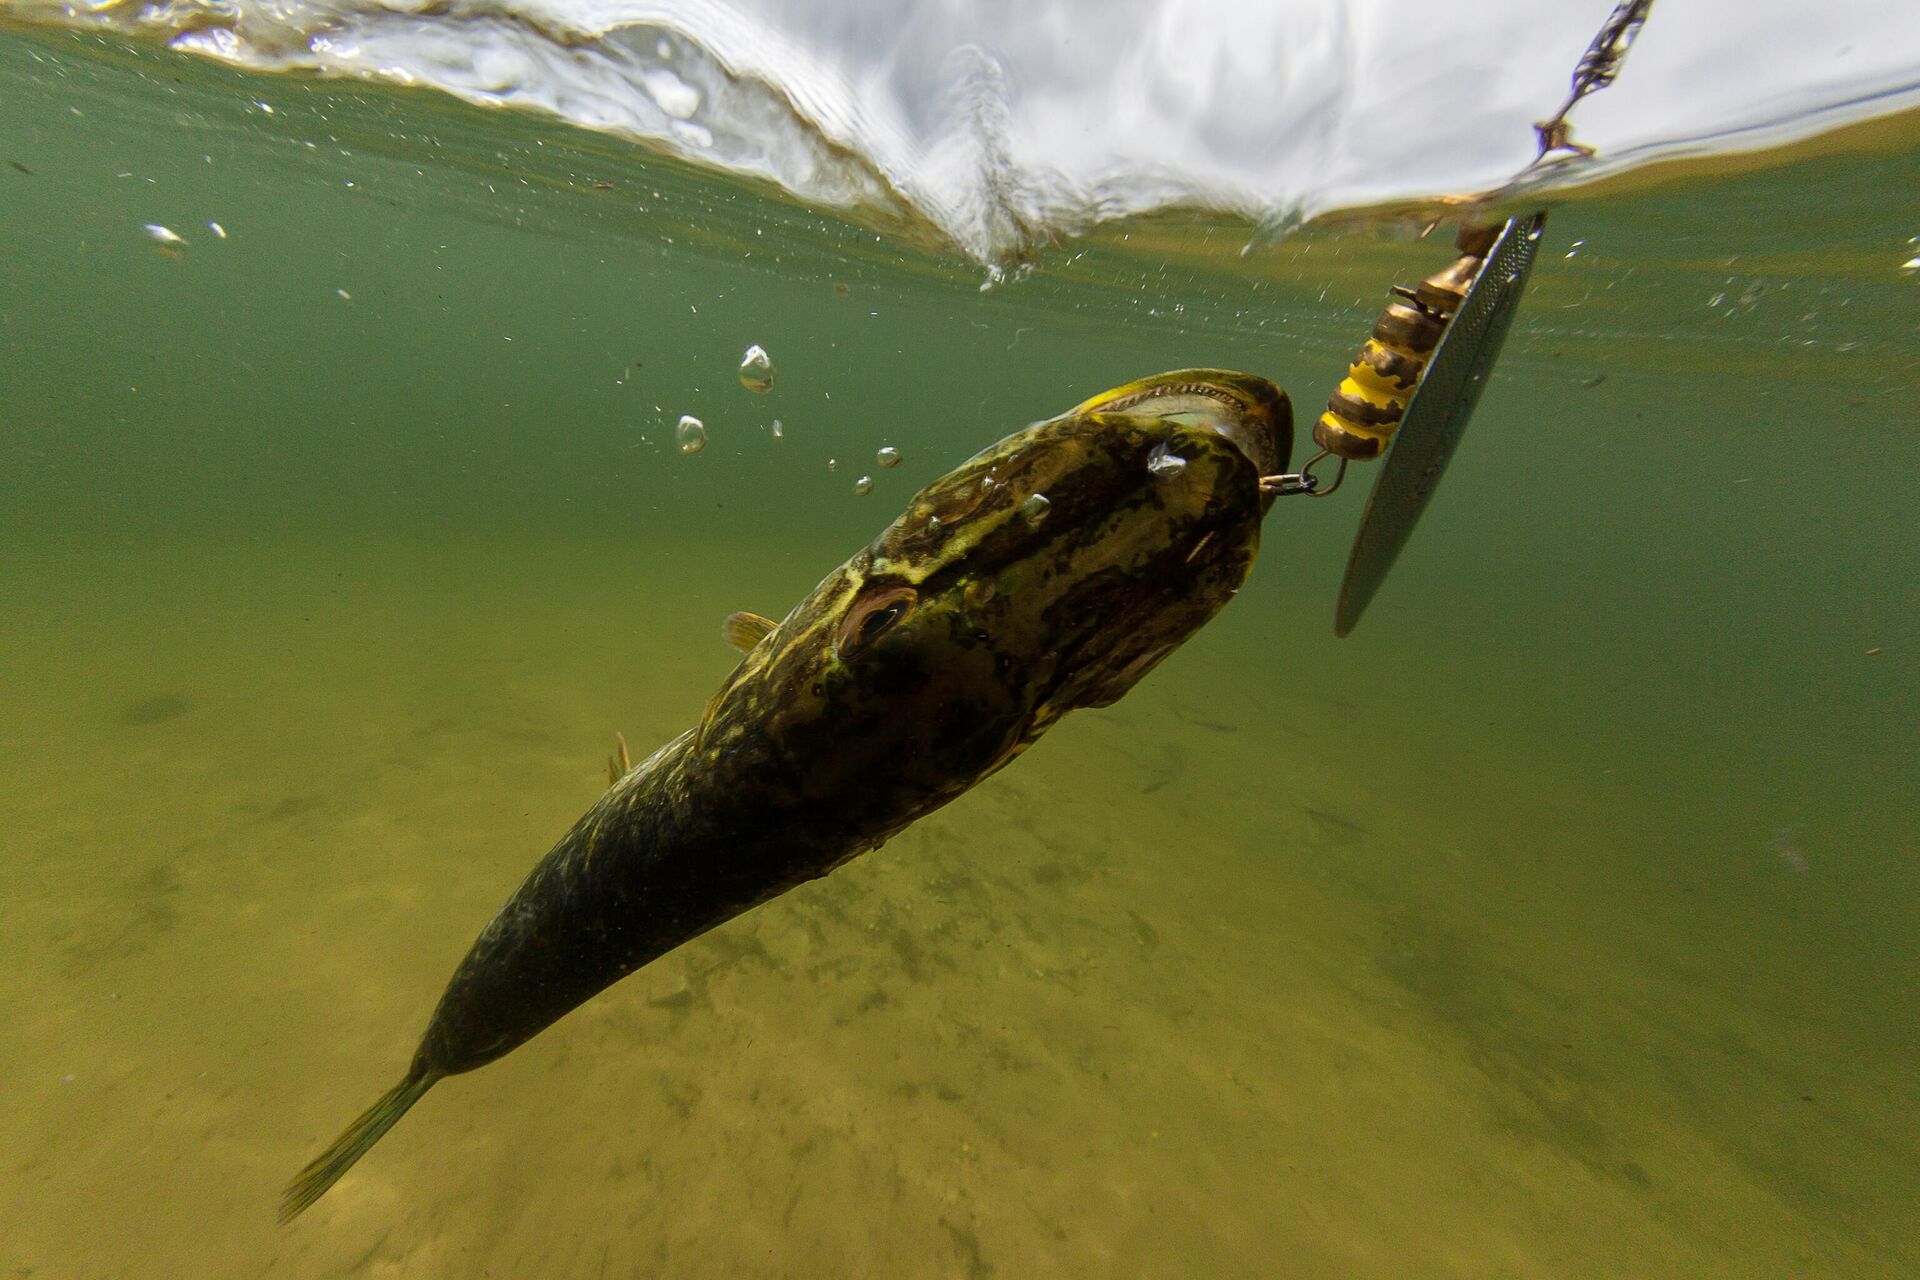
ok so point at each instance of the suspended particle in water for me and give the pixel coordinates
(691, 434)
(1786, 848)
(1035, 508)
(756, 369)
(888, 456)
(217, 229)
(166, 239)
(863, 486)
(1165, 464)
(833, 464)
(343, 295)
(778, 431)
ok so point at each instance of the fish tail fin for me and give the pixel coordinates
(312, 1182)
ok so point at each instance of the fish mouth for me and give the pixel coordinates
(1266, 447)
(1250, 412)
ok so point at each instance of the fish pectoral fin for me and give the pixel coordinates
(744, 630)
(620, 763)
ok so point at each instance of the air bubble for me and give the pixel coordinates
(691, 434)
(833, 464)
(670, 93)
(863, 486)
(1035, 508)
(888, 457)
(756, 369)
(165, 238)
(1164, 464)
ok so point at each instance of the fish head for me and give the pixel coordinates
(1050, 571)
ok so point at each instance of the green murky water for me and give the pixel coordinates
(1562, 922)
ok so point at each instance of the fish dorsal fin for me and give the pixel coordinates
(745, 630)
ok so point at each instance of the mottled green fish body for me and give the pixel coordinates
(1051, 571)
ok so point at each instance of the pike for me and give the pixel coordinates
(1050, 572)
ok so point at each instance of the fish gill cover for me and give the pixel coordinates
(1004, 123)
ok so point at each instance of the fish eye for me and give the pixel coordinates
(879, 620)
(872, 618)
